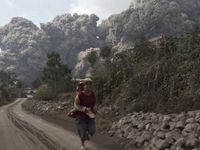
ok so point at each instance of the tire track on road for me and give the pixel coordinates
(36, 136)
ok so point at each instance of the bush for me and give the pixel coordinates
(36, 83)
(45, 93)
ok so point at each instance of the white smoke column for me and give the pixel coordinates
(138, 3)
(83, 66)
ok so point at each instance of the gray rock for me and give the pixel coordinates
(141, 126)
(175, 135)
(158, 143)
(139, 141)
(189, 128)
(147, 127)
(191, 141)
(197, 117)
(179, 148)
(167, 143)
(190, 120)
(180, 125)
(165, 126)
(181, 116)
(191, 114)
(166, 119)
(179, 142)
(163, 144)
(132, 134)
(146, 136)
(161, 135)
(172, 125)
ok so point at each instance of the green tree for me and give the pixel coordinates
(105, 51)
(144, 49)
(8, 86)
(36, 83)
(56, 75)
(92, 58)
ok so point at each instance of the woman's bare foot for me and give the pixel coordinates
(83, 148)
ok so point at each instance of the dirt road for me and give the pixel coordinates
(22, 131)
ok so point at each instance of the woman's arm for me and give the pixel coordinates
(77, 105)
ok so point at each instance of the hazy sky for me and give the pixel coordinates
(41, 11)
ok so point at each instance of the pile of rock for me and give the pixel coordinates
(151, 131)
(44, 107)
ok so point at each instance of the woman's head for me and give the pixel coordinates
(87, 84)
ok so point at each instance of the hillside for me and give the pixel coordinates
(154, 76)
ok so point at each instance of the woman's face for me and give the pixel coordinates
(88, 86)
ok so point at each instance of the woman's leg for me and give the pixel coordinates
(82, 129)
(91, 127)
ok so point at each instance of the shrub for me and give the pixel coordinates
(45, 93)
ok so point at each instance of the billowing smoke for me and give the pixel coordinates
(139, 3)
(22, 51)
(82, 68)
(25, 46)
(71, 34)
(151, 18)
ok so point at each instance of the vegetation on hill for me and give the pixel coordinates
(160, 77)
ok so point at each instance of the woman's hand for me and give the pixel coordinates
(88, 109)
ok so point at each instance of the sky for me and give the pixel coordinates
(42, 11)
